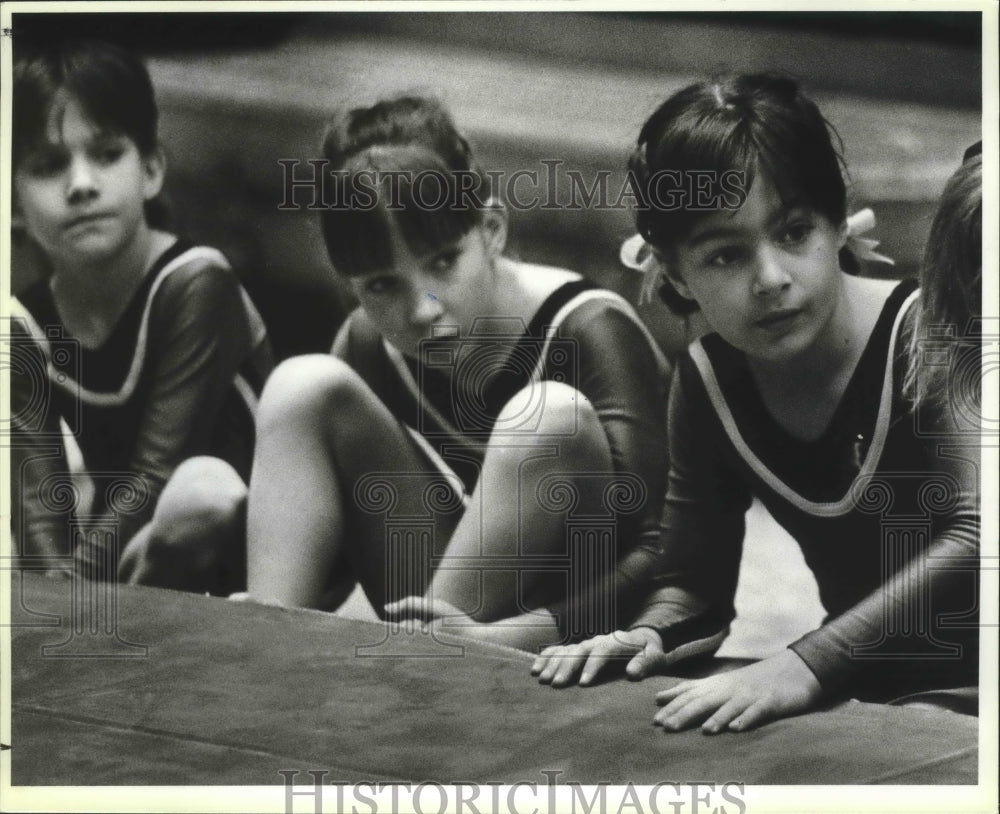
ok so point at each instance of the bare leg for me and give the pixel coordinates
(510, 516)
(195, 540)
(323, 437)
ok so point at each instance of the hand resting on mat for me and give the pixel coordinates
(776, 687)
(560, 665)
(528, 631)
(425, 609)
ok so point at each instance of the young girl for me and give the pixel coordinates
(145, 347)
(795, 399)
(475, 408)
(951, 304)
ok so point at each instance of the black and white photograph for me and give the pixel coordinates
(499, 407)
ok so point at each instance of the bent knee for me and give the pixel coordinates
(550, 408)
(205, 497)
(306, 387)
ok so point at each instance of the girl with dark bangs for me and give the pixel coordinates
(797, 398)
(140, 345)
(473, 403)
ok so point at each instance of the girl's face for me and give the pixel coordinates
(82, 192)
(436, 294)
(766, 276)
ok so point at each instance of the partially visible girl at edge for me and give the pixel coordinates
(796, 398)
(944, 378)
(951, 296)
(152, 352)
(535, 380)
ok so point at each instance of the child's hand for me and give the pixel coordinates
(741, 699)
(560, 664)
(421, 608)
(528, 632)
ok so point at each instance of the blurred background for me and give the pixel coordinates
(240, 91)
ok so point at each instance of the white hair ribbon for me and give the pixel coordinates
(864, 247)
(638, 255)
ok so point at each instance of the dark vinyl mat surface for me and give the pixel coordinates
(154, 687)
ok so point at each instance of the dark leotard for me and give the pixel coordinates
(586, 337)
(178, 376)
(884, 507)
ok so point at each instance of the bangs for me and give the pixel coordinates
(804, 166)
(37, 118)
(358, 241)
(713, 140)
(112, 88)
(31, 114)
(97, 99)
(701, 173)
(431, 205)
(716, 174)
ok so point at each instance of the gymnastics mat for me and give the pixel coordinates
(128, 685)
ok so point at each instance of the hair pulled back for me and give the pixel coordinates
(400, 162)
